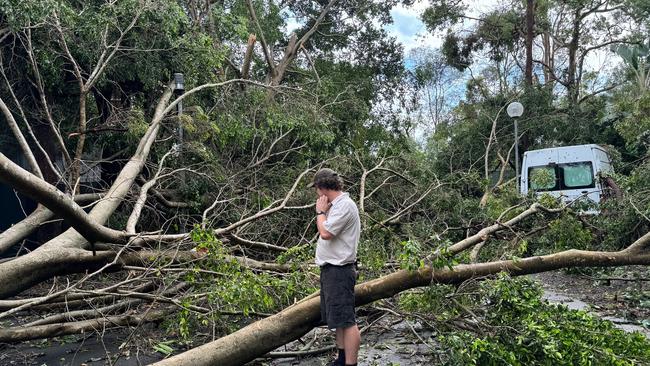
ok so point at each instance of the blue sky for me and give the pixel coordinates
(412, 33)
(406, 25)
(409, 30)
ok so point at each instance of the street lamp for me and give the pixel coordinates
(515, 110)
(179, 88)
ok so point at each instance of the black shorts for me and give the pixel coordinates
(337, 295)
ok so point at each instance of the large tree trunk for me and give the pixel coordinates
(530, 35)
(20, 334)
(24, 228)
(31, 223)
(48, 195)
(66, 252)
(572, 86)
(267, 334)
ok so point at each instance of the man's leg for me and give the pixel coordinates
(339, 338)
(340, 346)
(351, 341)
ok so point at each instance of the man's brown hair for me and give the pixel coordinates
(328, 179)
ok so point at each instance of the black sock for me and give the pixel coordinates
(341, 358)
(347, 364)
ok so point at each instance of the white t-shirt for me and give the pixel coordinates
(342, 221)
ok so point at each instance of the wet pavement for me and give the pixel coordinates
(87, 350)
(575, 304)
(390, 343)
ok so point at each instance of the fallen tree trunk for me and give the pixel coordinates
(267, 334)
(65, 252)
(31, 223)
(145, 257)
(71, 260)
(89, 313)
(64, 206)
(19, 334)
(24, 228)
(66, 301)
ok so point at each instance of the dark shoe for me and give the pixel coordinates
(334, 363)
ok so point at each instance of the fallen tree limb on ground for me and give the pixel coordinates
(64, 206)
(20, 334)
(33, 221)
(293, 322)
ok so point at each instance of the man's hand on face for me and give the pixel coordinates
(322, 205)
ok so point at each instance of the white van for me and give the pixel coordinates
(568, 172)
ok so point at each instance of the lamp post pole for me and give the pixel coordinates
(516, 153)
(179, 88)
(515, 110)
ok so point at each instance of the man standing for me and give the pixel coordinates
(339, 226)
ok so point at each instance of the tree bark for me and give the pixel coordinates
(22, 142)
(31, 223)
(530, 35)
(20, 334)
(245, 69)
(572, 86)
(23, 229)
(48, 195)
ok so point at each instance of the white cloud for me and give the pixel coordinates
(409, 30)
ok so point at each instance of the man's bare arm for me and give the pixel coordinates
(322, 206)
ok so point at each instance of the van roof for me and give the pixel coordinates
(573, 147)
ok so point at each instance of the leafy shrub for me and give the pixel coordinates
(524, 330)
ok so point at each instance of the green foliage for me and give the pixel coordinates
(543, 178)
(18, 13)
(442, 14)
(410, 256)
(297, 256)
(444, 258)
(622, 221)
(164, 348)
(498, 33)
(136, 125)
(527, 331)
(549, 201)
(349, 98)
(635, 126)
(566, 232)
(501, 206)
(375, 250)
(431, 300)
(236, 289)
(457, 54)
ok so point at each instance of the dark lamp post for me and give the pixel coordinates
(179, 88)
(179, 83)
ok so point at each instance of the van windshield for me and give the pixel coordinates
(554, 177)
